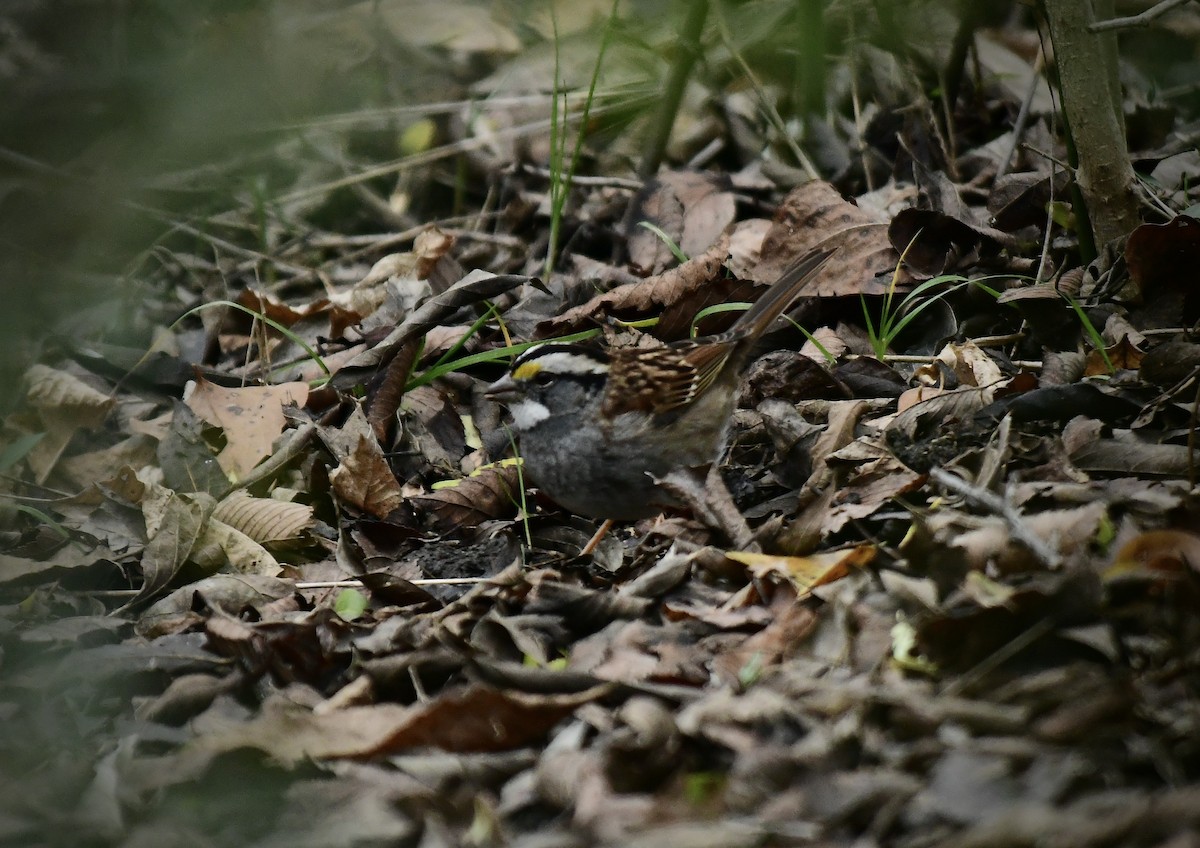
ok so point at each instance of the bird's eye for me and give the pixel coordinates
(543, 378)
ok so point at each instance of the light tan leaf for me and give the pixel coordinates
(51, 389)
(970, 364)
(806, 572)
(251, 417)
(221, 545)
(65, 405)
(745, 246)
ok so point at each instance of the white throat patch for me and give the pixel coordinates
(528, 413)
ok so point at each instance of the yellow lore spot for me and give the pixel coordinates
(526, 371)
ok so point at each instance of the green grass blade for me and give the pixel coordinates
(495, 355)
(676, 251)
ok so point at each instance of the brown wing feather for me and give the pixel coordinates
(708, 361)
(653, 381)
(794, 279)
(658, 381)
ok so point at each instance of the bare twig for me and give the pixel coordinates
(420, 581)
(592, 182)
(1018, 129)
(288, 451)
(914, 359)
(998, 657)
(998, 505)
(1141, 19)
(314, 584)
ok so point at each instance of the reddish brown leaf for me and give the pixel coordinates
(492, 492)
(816, 215)
(639, 299)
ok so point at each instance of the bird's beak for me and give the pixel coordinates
(504, 390)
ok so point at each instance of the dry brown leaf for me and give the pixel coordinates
(174, 525)
(1129, 456)
(917, 394)
(721, 616)
(694, 209)
(397, 276)
(54, 390)
(745, 246)
(970, 364)
(491, 492)
(86, 468)
(842, 422)
(1019, 200)
(1163, 259)
(370, 293)
(1160, 552)
(60, 564)
(646, 297)
(1170, 363)
(815, 215)
(790, 625)
(264, 519)
(806, 572)
(228, 592)
(364, 480)
(990, 543)
(1122, 355)
(477, 718)
(277, 310)
(221, 545)
(876, 479)
(935, 242)
(65, 404)
(251, 417)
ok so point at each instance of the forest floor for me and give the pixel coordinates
(270, 577)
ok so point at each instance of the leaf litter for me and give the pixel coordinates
(246, 605)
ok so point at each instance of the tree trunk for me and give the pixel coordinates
(1087, 72)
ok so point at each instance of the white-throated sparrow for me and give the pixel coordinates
(598, 428)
